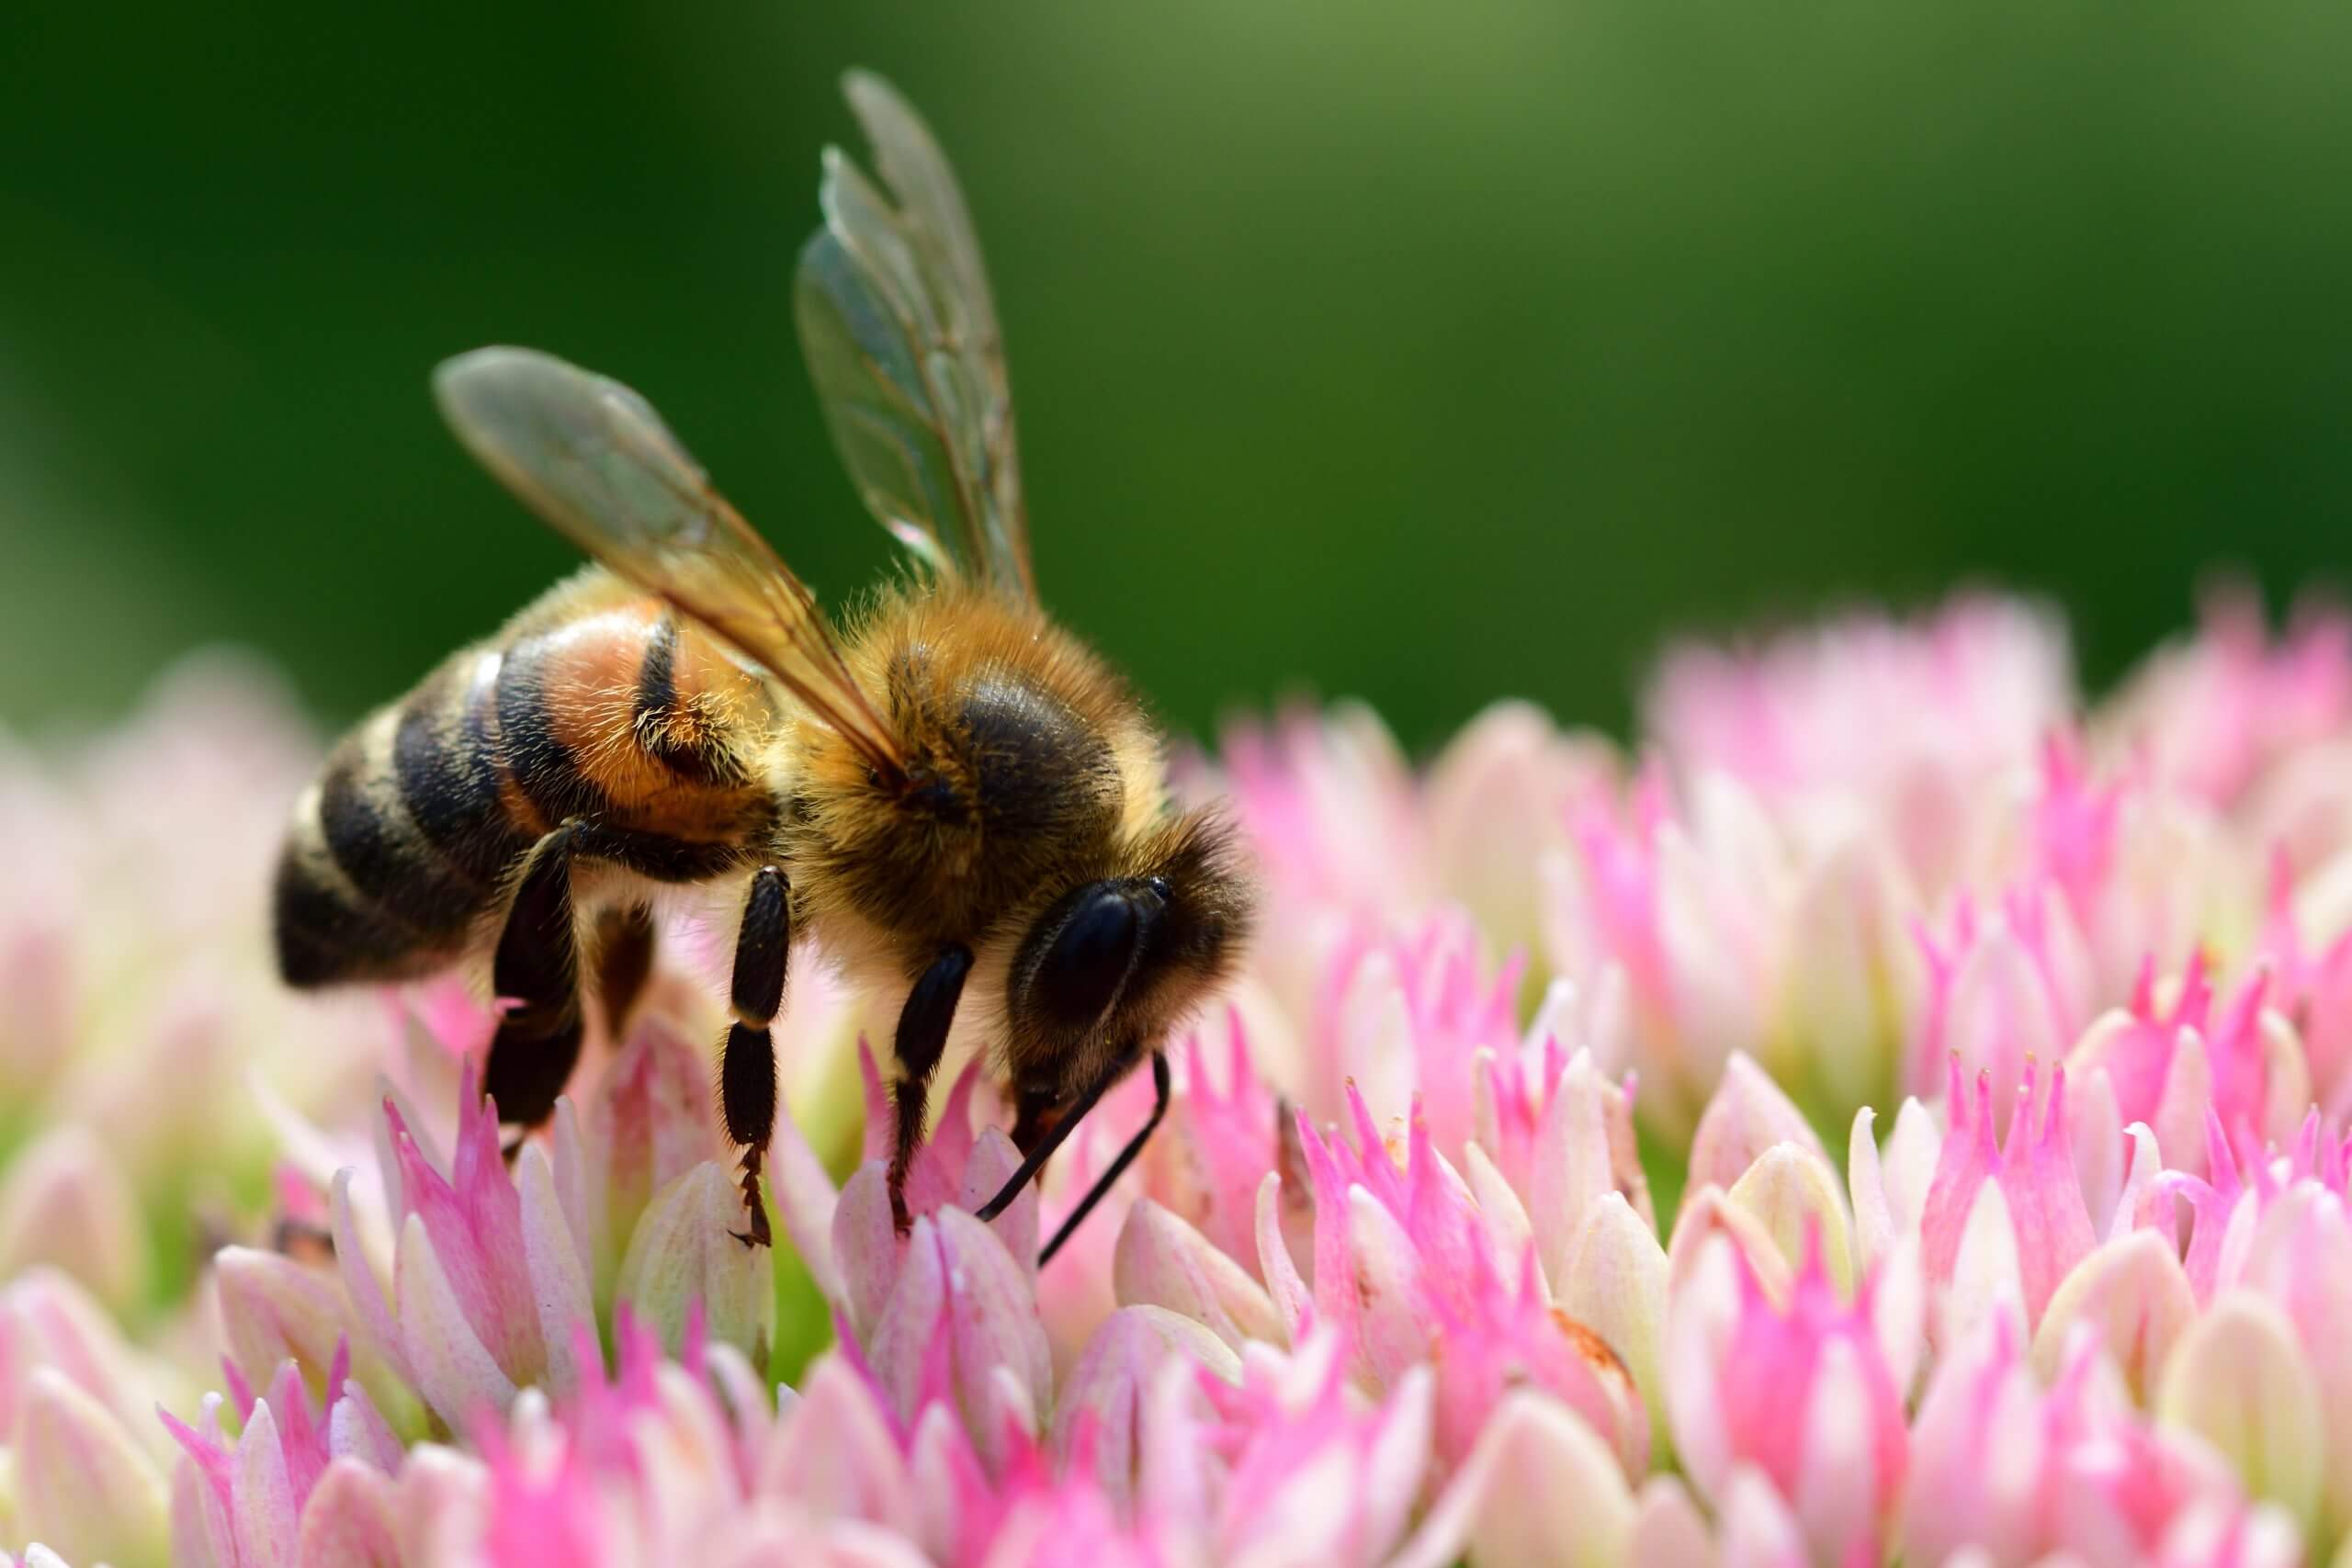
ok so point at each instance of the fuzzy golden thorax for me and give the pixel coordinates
(1029, 769)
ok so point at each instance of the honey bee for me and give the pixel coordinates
(959, 798)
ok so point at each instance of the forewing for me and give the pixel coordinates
(592, 457)
(901, 339)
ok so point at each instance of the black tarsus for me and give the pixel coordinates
(747, 1063)
(537, 970)
(922, 1038)
(1035, 1159)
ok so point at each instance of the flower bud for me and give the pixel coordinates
(2237, 1378)
(1748, 1114)
(84, 1485)
(1161, 1261)
(683, 1254)
(65, 1201)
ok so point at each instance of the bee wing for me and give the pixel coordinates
(592, 457)
(901, 339)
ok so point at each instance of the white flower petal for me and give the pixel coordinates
(1291, 1295)
(1616, 1287)
(267, 1528)
(555, 1261)
(2136, 1297)
(1837, 1480)
(1539, 1488)
(451, 1366)
(81, 1483)
(1795, 1196)
(2238, 1380)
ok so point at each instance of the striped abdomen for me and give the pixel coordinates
(594, 705)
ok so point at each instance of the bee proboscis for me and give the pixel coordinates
(961, 799)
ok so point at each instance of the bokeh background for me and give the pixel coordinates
(1424, 353)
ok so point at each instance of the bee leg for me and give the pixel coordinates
(623, 963)
(537, 969)
(747, 1065)
(922, 1037)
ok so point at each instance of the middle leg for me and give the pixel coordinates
(747, 1066)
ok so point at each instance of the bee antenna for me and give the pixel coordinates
(1035, 1159)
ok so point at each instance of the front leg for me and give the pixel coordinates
(922, 1037)
(747, 1065)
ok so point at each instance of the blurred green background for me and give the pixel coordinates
(1426, 353)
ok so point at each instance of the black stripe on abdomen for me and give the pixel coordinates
(445, 764)
(664, 728)
(324, 937)
(657, 677)
(397, 869)
(540, 763)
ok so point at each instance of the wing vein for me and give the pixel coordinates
(595, 460)
(903, 343)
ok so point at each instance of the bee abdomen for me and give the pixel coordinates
(623, 721)
(532, 747)
(444, 760)
(593, 707)
(326, 932)
(396, 849)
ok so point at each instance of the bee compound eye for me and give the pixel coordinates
(1090, 954)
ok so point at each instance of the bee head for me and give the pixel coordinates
(1113, 964)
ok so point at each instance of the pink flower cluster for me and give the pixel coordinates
(1897, 1111)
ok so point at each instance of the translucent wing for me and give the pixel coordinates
(592, 457)
(901, 340)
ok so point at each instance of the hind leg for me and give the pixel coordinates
(747, 1066)
(535, 977)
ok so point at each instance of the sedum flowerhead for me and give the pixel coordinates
(1892, 1111)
